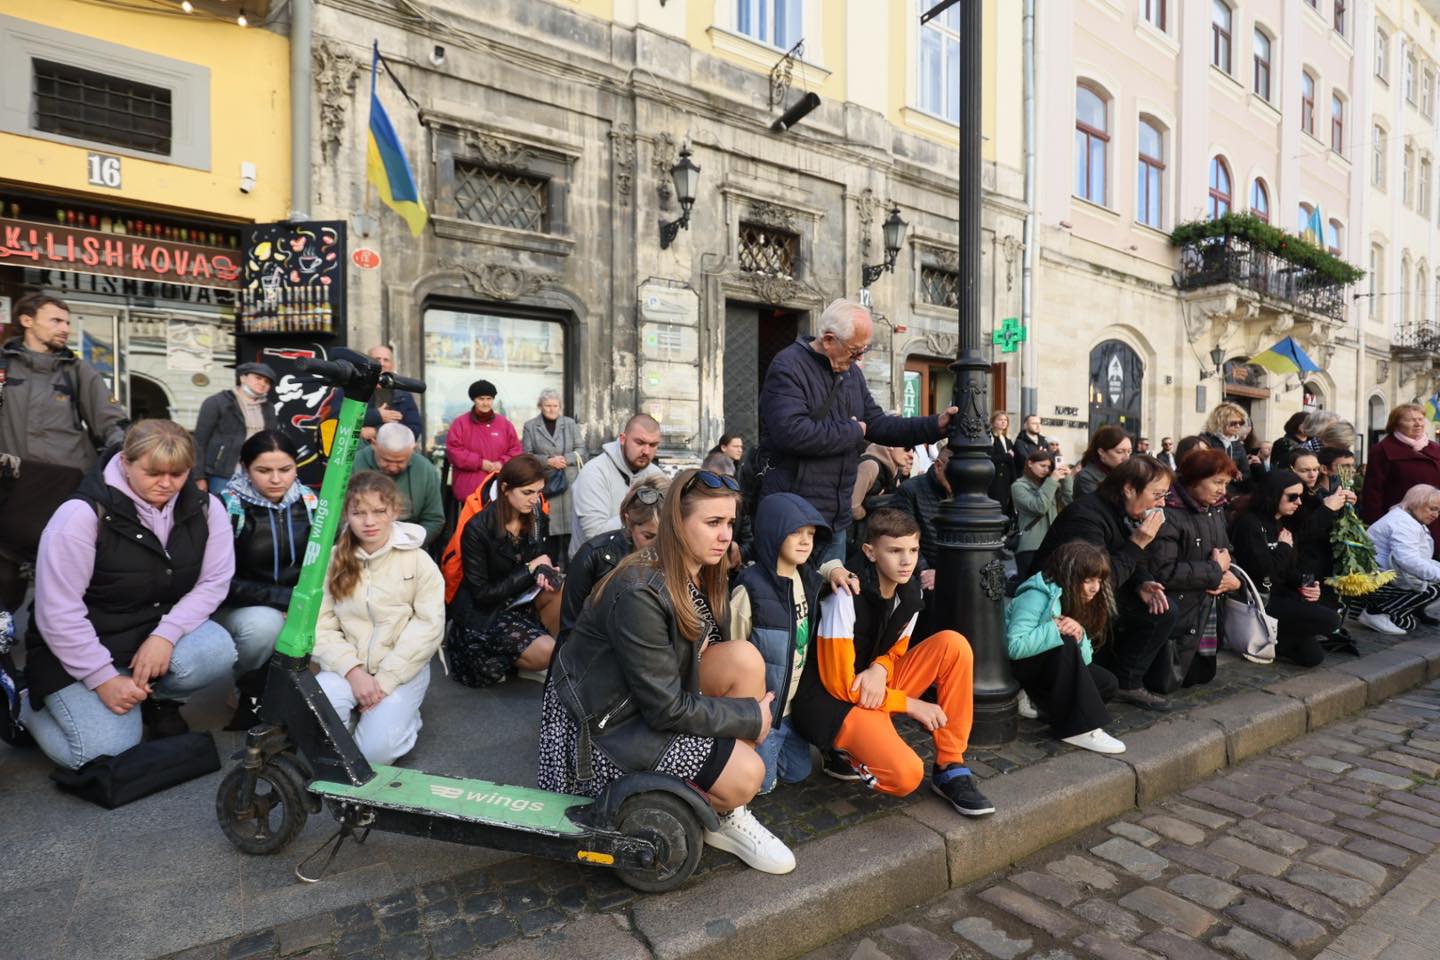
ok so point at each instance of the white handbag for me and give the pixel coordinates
(1245, 626)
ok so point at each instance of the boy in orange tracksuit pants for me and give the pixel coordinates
(863, 670)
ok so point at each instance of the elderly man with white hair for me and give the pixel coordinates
(818, 415)
(1403, 544)
(393, 453)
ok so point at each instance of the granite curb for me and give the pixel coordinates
(913, 856)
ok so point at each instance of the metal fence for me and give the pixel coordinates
(1217, 260)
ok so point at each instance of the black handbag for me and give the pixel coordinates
(113, 781)
(556, 483)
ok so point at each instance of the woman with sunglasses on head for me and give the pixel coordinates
(1265, 549)
(644, 683)
(639, 526)
(1225, 431)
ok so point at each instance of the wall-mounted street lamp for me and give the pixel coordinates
(687, 178)
(1217, 357)
(894, 230)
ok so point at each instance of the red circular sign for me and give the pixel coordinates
(365, 258)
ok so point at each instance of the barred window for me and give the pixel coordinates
(74, 102)
(766, 250)
(940, 287)
(502, 199)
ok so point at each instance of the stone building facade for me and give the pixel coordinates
(543, 144)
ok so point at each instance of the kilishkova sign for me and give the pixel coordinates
(25, 243)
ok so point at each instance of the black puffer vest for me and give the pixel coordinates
(135, 582)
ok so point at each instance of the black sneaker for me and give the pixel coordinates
(837, 765)
(163, 718)
(1143, 699)
(12, 731)
(956, 784)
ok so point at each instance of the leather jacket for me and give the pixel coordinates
(496, 565)
(632, 681)
(600, 554)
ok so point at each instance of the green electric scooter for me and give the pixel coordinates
(648, 827)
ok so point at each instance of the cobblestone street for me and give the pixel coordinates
(1323, 847)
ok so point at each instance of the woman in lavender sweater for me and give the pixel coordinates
(130, 571)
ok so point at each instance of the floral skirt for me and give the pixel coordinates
(481, 658)
(699, 760)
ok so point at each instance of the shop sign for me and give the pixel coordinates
(910, 399)
(365, 258)
(25, 243)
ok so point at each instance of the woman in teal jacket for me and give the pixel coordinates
(1048, 630)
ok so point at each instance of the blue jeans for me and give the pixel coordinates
(216, 483)
(786, 755)
(254, 630)
(835, 550)
(75, 726)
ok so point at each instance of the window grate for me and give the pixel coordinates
(940, 287)
(769, 251)
(514, 200)
(74, 102)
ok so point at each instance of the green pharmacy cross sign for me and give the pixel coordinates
(1009, 335)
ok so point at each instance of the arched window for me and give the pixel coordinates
(1407, 177)
(1377, 266)
(1334, 237)
(1404, 289)
(1262, 65)
(1337, 124)
(1219, 188)
(1305, 223)
(1307, 103)
(1422, 287)
(1377, 156)
(1150, 174)
(1092, 140)
(1221, 22)
(1155, 13)
(1260, 200)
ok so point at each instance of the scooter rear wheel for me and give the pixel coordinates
(276, 814)
(666, 821)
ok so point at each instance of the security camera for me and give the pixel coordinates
(247, 176)
(437, 55)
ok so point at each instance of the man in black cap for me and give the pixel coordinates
(229, 418)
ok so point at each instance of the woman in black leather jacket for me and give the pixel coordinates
(494, 626)
(645, 683)
(639, 526)
(270, 511)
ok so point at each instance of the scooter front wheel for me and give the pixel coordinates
(667, 822)
(275, 815)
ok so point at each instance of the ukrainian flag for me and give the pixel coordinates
(386, 164)
(1432, 406)
(1286, 357)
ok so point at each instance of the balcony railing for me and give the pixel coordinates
(1218, 260)
(1416, 340)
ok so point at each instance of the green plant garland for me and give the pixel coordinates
(1263, 236)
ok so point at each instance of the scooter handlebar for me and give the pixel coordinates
(396, 382)
(338, 372)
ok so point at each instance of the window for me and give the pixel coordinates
(1337, 124)
(1410, 77)
(1422, 198)
(1427, 92)
(1219, 188)
(1262, 65)
(1382, 55)
(1155, 13)
(1221, 18)
(1421, 287)
(1377, 258)
(1407, 177)
(1260, 200)
(1340, 17)
(1150, 176)
(74, 102)
(1334, 233)
(778, 23)
(940, 66)
(1377, 156)
(768, 250)
(1305, 221)
(940, 287)
(501, 198)
(1307, 103)
(1092, 137)
(1405, 289)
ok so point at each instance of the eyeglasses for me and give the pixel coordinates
(1294, 497)
(854, 354)
(714, 481)
(648, 496)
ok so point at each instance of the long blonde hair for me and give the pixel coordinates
(344, 565)
(670, 553)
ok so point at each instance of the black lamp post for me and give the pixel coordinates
(894, 230)
(970, 581)
(687, 178)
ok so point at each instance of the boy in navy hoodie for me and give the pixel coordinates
(773, 606)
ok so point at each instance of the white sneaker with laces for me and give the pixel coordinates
(1097, 740)
(1381, 623)
(741, 834)
(1025, 708)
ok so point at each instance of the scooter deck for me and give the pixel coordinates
(459, 798)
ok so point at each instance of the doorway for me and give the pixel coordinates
(754, 334)
(929, 386)
(148, 400)
(1117, 376)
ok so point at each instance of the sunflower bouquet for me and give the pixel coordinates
(1356, 571)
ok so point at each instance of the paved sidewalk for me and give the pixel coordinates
(1325, 845)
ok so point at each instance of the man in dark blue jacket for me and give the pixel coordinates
(390, 406)
(818, 416)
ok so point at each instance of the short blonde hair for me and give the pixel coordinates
(169, 446)
(1224, 412)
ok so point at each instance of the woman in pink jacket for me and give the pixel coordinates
(479, 442)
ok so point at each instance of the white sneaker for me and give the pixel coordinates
(1097, 740)
(1025, 708)
(1381, 623)
(741, 834)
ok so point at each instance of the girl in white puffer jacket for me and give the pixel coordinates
(381, 621)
